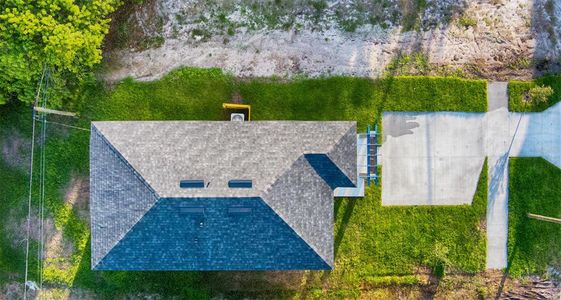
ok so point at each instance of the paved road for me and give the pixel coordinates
(436, 158)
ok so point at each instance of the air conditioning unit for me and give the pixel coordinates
(237, 117)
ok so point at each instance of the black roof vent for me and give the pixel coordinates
(240, 183)
(192, 184)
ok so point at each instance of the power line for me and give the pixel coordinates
(40, 249)
(39, 113)
(30, 191)
(70, 126)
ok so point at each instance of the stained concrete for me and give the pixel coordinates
(426, 156)
(436, 158)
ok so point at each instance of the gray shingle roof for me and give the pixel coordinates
(118, 196)
(150, 158)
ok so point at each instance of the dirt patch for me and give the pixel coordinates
(56, 248)
(15, 151)
(491, 39)
(485, 285)
(77, 195)
(16, 228)
(255, 281)
(14, 291)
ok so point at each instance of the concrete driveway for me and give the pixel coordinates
(431, 158)
(436, 158)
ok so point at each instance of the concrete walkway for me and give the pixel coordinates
(436, 158)
(497, 149)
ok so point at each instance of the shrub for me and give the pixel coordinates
(466, 21)
(519, 93)
(539, 94)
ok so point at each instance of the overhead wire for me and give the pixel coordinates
(41, 100)
(30, 190)
(40, 248)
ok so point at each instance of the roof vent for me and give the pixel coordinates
(239, 210)
(192, 210)
(240, 183)
(192, 184)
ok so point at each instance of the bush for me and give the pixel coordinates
(539, 94)
(466, 21)
(548, 93)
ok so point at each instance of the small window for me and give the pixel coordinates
(238, 183)
(192, 184)
(239, 210)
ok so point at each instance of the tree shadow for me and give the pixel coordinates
(351, 202)
(545, 26)
(506, 272)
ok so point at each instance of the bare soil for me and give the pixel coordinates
(77, 195)
(15, 151)
(496, 39)
(14, 291)
(57, 249)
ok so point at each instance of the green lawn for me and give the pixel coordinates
(360, 99)
(13, 196)
(535, 187)
(371, 241)
(517, 90)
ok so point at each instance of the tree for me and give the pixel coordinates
(65, 35)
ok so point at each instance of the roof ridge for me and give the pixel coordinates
(127, 232)
(119, 156)
(125, 161)
(333, 147)
(313, 247)
(265, 193)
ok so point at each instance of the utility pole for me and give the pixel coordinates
(544, 218)
(53, 111)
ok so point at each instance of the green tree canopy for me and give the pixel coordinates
(65, 35)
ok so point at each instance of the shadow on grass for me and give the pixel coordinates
(351, 202)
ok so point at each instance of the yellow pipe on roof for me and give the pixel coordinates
(238, 106)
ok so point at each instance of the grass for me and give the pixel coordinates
(13, 199)
(363, 100)
(374, 241)
(535, 187)
(517, 90)
(420, 236)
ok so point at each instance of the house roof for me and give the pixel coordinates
(166, 152)
(293, 166)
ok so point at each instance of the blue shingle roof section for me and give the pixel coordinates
(223, 234)
(328, 171)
